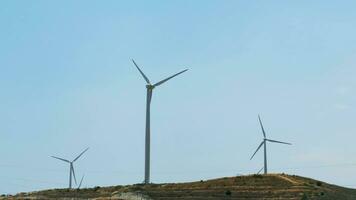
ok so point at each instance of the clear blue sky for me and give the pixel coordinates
(67, 83)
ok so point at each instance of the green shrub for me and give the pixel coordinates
(228, 193)
(257, 176)
(304, 197)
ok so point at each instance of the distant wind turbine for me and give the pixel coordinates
(150, 88)
(71, 167)
(264, 143)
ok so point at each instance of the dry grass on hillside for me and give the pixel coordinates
(272, 186)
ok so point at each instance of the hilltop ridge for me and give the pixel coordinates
(268, 187)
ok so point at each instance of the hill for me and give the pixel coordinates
(268, 187)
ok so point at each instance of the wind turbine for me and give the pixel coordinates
(71, 168)
(150, 88)
(264, 143)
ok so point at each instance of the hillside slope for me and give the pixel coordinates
(272, 186)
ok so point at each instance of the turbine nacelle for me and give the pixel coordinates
(150, 87)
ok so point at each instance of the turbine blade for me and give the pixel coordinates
(80, 154)
(278, 142)
(141, 72)
(260, 170)
(263, 130)
(257, 150)
(61, 159)
(81, 181)
(164, 80)
(75, 179)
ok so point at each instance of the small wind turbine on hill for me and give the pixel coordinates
(150, 88)
(71, 167)
(264, 143)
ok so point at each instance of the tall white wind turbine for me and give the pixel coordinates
(264, 143)
(71, 167)
(150, 88)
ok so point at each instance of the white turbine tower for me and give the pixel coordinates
(150, 88)
(71, 167)
(264, 143)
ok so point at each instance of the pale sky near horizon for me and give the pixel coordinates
(67, 83)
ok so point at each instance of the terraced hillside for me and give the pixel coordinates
(268, 187)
